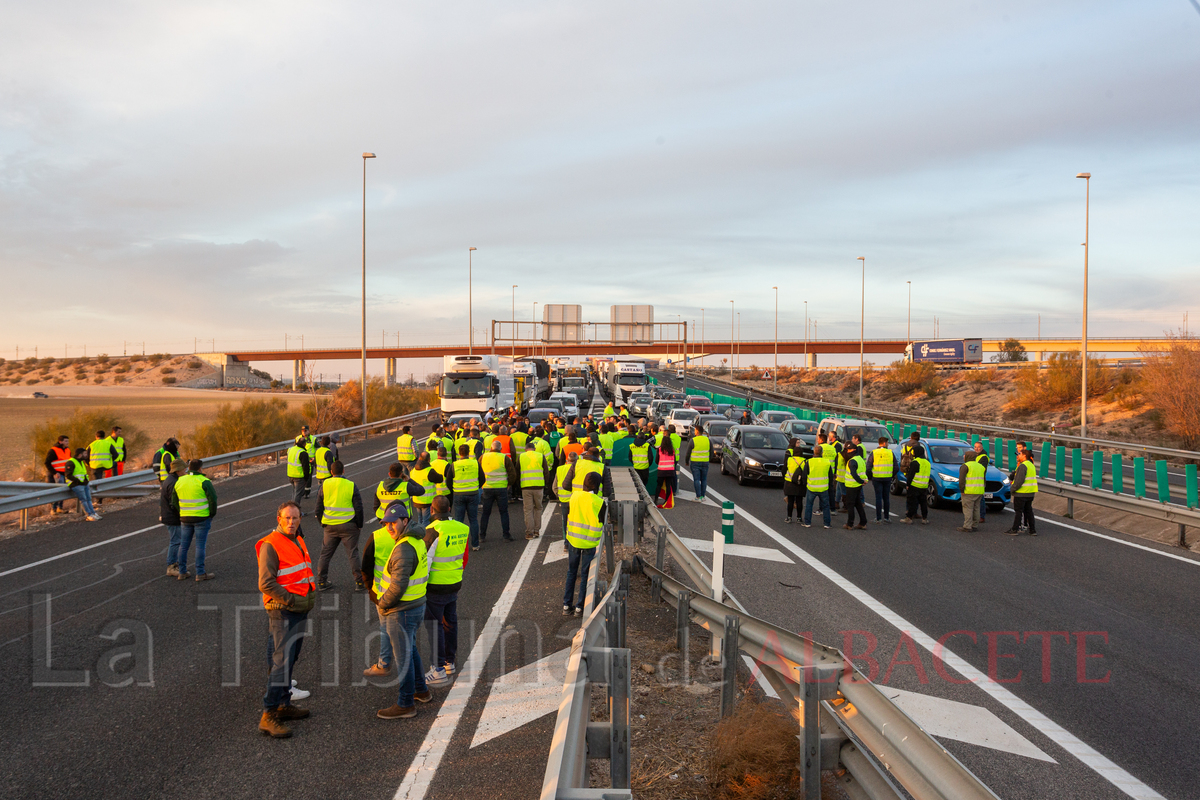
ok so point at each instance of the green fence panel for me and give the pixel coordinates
(1097, 469)
(1164, 484)
(951, 434)
(1060, 463)
(1012, 453)
(1139, 477)
(998, 452)
(1076, 466)
(1189, 480)
(975, 440)
(1044, 467)
(1118, 474)
(924, 431)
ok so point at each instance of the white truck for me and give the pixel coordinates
(624, 378)
(536, 372)
(476, 384)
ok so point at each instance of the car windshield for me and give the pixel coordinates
(948, 453)
(779, 416)
(539, 414)
(554, 404)
(685, 414)
(718, 428)
(631, 380)
(666, 406)
(465, 387)
(698, 401)
(639, 397)
(800, 426)
(573, 382)
(760, 440)
(869, 434)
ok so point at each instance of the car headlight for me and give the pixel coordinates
(750, 462)
(949, 478)
(1007, 481)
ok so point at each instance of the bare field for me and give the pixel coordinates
(159, 411)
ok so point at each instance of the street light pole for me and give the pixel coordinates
(533, 346)
(775, 374)
(1087, 210)
(470, 316)
(862, 327)
(908, 331)
(702, 332)
(732, 322)
(514, 319)
(363, 385)
(806, 334)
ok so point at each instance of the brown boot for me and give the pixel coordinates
(289, 712)
(271, 726)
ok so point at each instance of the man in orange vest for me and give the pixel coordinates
(56, 468)
(285, 578)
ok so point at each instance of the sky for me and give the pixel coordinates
(189, 174)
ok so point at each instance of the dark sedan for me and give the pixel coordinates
(754, 453)
(715, 429)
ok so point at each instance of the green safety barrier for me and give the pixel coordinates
(1118, 474)
(1189, 479)
(727, 521)
(1097, 469)
(1060, 463)
(1044, 467)
(1139, 477)
(1012, 454)
(924, 431)
(951, 434)
(1076, 466)
(998, 451)
(1164, 485)
(974, 439)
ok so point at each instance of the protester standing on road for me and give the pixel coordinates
(971, 485)
(77, 481)
(196, 501)
(322, 459)
(118, 451)
(286, 581)
(169, 516)
(447, 560)
(982, 457)
(299, 467)
(585, 527)
(916, 478)
(310, 447)
(467, 478)
(668, 482)
(698, 455)
(533, 483)
(1024, 488)
(880, 469)
(640, 455)
(340, 511)
(56, 468)
(561, 490)
(100, 457)
(427, 478)
(794, 482)
(856, 477)
(498, 473)
(406, 454)
(399, 593)
(163, 458)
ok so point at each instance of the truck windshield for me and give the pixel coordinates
(465, 387)
(631, 380)
(573, 382)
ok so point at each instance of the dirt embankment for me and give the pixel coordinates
(153, 370)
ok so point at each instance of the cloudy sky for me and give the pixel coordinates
(180, 171)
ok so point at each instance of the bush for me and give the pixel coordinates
(98, 379)
(156, 358)
(138, 370)
(168, 380)
(45, 362)
(83, 360)
(121, 370)
(81, 426)
(58, 381)
(30, 362)
(251, 424)
(754, 753)
(195, 364)
(1059, 385)
(344, 408)
(31, 381)
(1169, 382)
(118, 379)
(102, 358)
(167, 370)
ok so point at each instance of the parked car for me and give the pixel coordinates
(715, 428)
(699, 402)
(683, 419)
(639, 404)
(552, 403)
(801, 429)
(659, 410)
(674, 396)
(773, 419)
(754, 453)
(537, 415)
(868, 431)
(569, 401)
(945, 457)
(735, 413)
(463, 419)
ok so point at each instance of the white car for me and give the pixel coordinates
(683, 419)
(570, 403)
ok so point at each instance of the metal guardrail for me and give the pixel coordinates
(118, 486)
(576, 738)
(846, 719)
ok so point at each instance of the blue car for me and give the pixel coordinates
(946, 456)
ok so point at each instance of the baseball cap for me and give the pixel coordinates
(395, 512)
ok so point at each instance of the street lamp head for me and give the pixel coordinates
(368, 155)
(1084, 175)
(469, 249)
(862, 258)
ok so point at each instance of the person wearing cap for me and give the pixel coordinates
(195, 499)
(169, 515)
(56, 465)
(400, 569)
(299, 468)
(310, 447)
(163, 457)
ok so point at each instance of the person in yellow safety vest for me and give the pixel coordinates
(609, 411)
(76, 475)
(606, 441)
(118, 451)
(434, 440)
(819, 474)
(519, 437)
(427, 478)
(588, 462)
(856, 477)
(286, 581)
(533, 484)
(916, 478)
(299, 468)
(340, 511)
(447, 561)
(405, 452)
(698, 457)
(585, 528)
(100, 456)
(881, 468)
(196, 501)
(971, 484)
(794, 482)
(161, 463)
(396, 487)
(839, 487)
(322, 461)
(562, 492)
(310, 447)
(466, 480)
(440, 463)
(624, 412)
(539, 441)
(474, 443)
(499, 473)
(1024, 488)
(56, 465)
(399, 566)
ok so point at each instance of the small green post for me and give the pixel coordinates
(924, 431)
(1139, 477)
(1060, 463)
(1012, 454)
(1164, 485)
(727, 521)
(1076, 466)
(1044, 467)
(1118, 474)
(1097, 469)
(1189, 479)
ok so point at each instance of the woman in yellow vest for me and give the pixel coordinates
(916, 477)
(881, 468)
(1024, 488)
(424, 476)
(447, 560)
(585, 528)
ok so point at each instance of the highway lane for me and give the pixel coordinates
(986, 585)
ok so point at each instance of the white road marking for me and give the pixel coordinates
(429, 757)
(1052, 730)
(963, 722)
(557, 551)
(744, 550)
(523, 695)
(756, 672)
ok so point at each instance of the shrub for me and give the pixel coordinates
(122, 369)
(906, 377)
(45, 362)
(118, 379)
(31, 381)
(83, 360)
(156, 358)
(102, 358)
(253, 423)
(24, 370)
(754, 753)
(195, 364)
(98, 379)
(81, 426)
(933, 388)
(344, 407)
(31, 361)
(169, 379)
(1059, 385)
(58, 381)
(167, 370)
(1169, 379)
(138, 370)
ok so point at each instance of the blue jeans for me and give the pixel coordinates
(466, 506)
(700, 478)
(58, 478)
(420, 514)
(578, 562)
(883, 498)
(402, 630)
(285, 633)
(176, 532)
(385, 641)
(814, 497)
(198, 529)
(498, 497)
(84, 493)
(443, 610)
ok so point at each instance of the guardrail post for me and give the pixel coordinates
(683, 632)
(1118, 474)
(1060, 463)
(729, 656)
(1189, 479)
(1139, 477)
(1011, 447)
(1076, 466)
(975, 440)
(1097, 469)
(810, 756)
(655, 589)
(24, 523)
(727, 516)
(611, 623)
(998, 452)
(924, 431)
(951, 434)
(1044, 467)
(618, 715)
(1164, 485)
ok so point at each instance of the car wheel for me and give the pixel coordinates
(723, 470)
(897, 489)
(934, 500)
(741, 475)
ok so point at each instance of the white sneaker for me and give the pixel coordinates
(449, 668)
(436, 677)
(299, 694)
(93, 518)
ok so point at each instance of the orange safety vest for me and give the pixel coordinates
(63, 456)
(567, 449)
(295, 567)
(505, 444)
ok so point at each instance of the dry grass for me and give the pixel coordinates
(1059, 385)
(905, 378)
(755, 753)
(1169, 381)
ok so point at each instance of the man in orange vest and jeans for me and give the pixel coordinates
(285, 578)
(56, 468)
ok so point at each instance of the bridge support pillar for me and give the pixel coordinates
(390, 372)
(811, 361)
(297, 373)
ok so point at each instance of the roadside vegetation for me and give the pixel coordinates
(1169, 382)
(81, 426)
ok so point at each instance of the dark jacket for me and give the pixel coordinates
(268, 569)
(798, 485)
(414, 489)
(910, 472)
(167, 513)
(209, 492)
(305, 465)
(400, 567)
(355, 500)
(570, 476)
(1018, 477)
(852, 470)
